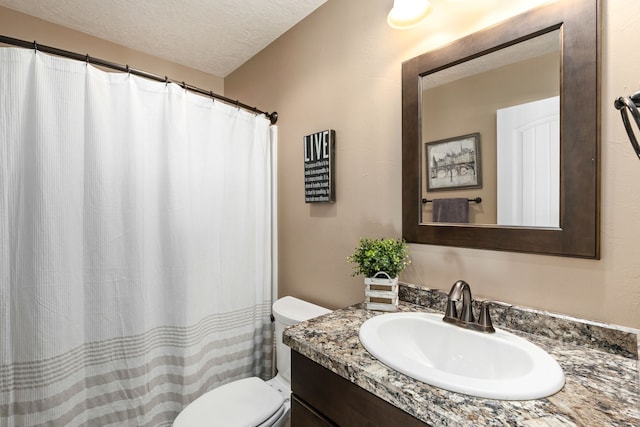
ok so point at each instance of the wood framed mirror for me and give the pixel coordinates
(576, 24)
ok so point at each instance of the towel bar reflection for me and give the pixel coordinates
(477, 200)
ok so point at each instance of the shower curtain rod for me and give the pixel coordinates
(273, 117)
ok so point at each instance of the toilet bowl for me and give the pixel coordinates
(252, 401)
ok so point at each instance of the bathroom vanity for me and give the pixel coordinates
(335, 381)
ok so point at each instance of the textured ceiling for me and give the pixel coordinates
(214, 36)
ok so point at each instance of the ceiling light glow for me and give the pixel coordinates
(408, 13)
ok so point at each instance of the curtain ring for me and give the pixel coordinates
(128, 70)
(35, 46)
(213, 98)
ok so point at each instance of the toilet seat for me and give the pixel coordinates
(246, 402)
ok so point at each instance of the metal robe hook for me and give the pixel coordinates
(628, 105)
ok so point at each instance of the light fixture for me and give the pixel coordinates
(408, 13)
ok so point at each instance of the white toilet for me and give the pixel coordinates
(252, 402)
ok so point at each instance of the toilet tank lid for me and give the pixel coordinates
(290, 310)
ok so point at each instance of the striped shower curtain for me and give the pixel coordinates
(135, 245)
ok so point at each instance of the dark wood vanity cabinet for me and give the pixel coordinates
(323, 398)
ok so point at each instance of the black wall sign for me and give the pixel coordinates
(319, 157)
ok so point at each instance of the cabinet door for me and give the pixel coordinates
(304, 416)
(340, 401)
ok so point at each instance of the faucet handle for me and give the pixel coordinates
(484, 321)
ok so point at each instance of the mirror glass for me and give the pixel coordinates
(474, 173)
(490, 130)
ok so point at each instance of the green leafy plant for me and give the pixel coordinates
(374, 255)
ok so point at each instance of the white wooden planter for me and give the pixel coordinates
(381, 292)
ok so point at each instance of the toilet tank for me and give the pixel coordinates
(288, 311)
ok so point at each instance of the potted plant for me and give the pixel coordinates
(380, 261)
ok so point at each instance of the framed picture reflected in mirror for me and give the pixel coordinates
(454, 163)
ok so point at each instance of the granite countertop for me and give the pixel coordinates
(600, 363)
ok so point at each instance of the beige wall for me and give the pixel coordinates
(24, 27)
(340, 69)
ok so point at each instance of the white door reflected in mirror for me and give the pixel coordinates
(528, 160)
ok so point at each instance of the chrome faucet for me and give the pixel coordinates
(462, 291)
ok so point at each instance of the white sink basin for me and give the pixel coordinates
(496, 366)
